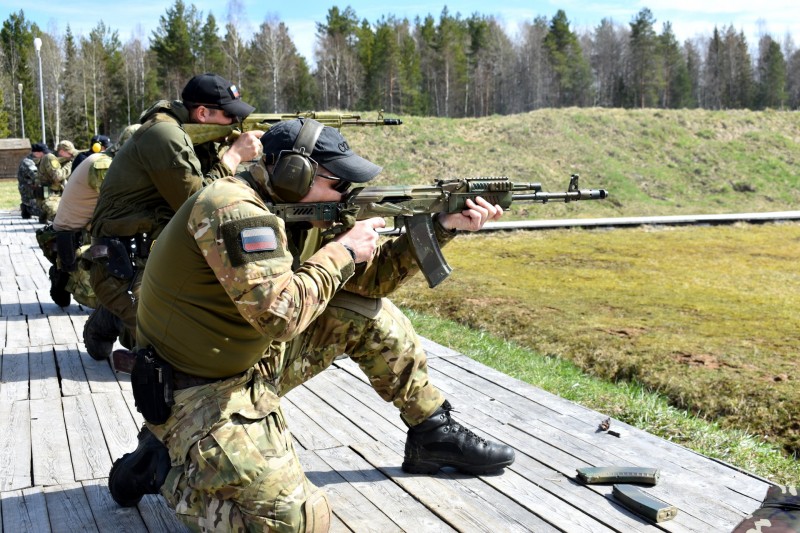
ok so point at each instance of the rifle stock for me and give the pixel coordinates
(412, 207)
(203, 133)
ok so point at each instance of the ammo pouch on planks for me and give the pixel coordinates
(152, 383)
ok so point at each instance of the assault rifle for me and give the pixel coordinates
(202, 133)
(412, 207)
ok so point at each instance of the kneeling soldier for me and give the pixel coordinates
(237, 308)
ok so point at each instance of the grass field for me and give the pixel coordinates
(690, 333)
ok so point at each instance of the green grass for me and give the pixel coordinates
(627, 401)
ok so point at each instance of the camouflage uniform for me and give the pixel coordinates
(53, 174)
(152, 175)
(272, 322)
(28, 185)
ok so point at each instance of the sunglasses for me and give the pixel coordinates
(341, 185)
(231, 116)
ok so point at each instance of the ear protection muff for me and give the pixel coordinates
(294, 170)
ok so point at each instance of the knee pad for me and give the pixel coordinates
(368, 307)
(317, 512)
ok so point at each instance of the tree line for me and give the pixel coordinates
(452, 66)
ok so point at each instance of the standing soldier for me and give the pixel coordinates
(28, 180)
(54, 169)
(150, 177)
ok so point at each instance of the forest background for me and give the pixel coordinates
(452, 66)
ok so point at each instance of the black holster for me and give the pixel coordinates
(152, 383)
(67, 242)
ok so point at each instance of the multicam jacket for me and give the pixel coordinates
(225, 280)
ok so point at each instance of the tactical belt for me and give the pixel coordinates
(181, 380)
(123, 361)
(137, 245)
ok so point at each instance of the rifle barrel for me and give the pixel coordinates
(582, 194)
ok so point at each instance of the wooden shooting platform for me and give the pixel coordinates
(65, 418)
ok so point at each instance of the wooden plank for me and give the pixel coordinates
(29, 303)
(90, 458)
(586, 442)
(62, 329)
(309, 433)
(73, 378)
(451, 501)
(400, 506)
(51, 461)
(14, 374)
(25, 510)
(338, 427)
(15, 445)
(563, 452)
(9, 303)
(119, 428)
(16, 332)
(69, 509)
(581, 418)
(349, 505)
(110, 517)
(98, 373)
(394, 438)
(43, 374)
(127, 395)
(158, 516)
(39, 330)
(355, 408)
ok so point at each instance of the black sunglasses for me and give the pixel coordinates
(341, 185)
(235, 118)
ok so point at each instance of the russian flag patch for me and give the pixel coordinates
(259, 240)
(234, 91)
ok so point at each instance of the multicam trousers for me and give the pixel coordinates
(234, 465)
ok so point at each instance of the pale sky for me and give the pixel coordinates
(689, 18)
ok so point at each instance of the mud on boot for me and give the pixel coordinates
(440, 441)
(139, 472)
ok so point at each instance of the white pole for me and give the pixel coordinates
(37, 44)
(21, 111)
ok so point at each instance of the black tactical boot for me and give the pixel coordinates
(58, 287)
(100, 331)
(26, 213)
(140, 472)
(440, 441)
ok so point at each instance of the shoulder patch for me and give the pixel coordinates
(252, 239)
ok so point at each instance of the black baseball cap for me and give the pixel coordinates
(212, 90)
(40, 147)
(331, 151)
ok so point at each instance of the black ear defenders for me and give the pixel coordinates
(294, 170)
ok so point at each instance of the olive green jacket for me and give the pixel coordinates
(153, 174)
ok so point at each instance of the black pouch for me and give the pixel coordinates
(151, 380)
(119, 260)
(66, 245)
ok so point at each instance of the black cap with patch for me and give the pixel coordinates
(331, 151)
(212, 90)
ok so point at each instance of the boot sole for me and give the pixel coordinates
(427, 467)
